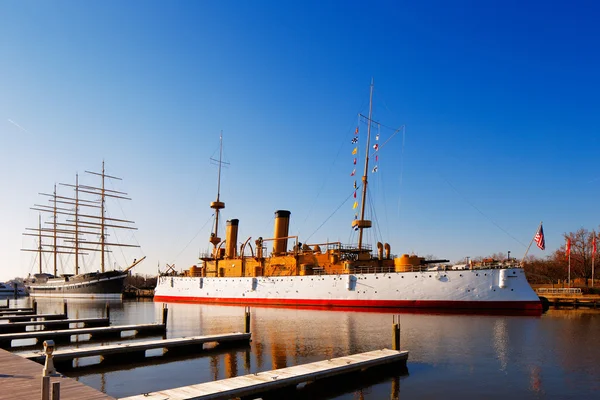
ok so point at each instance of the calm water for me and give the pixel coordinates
(555, 356)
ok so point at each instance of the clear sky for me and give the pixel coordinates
(499, 100)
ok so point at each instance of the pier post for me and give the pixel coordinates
(108, 312)
(49, 364)
(165, 313)
(65, 309)
(55, 390)
(34, 306)
(247, 320)
(45, 388)
(396, 334)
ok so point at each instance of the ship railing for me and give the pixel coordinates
(559, 291)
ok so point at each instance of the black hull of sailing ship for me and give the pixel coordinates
(93, 285)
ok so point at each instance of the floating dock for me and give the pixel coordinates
(31, 317)
(137, 350)
(21, 379)
(263, 382)
(96, 333)
(21, 311)
(14, 327)
(7, 310)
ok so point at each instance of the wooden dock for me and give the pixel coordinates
(96, 333)
(23, 311)
(55, 324)
(7, 310)
(20, 379)
(574, 301)
(128, 352)
(262, 382)
(32, 317)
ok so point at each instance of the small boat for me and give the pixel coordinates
(332, 274)
(8, 289)
(77, 235)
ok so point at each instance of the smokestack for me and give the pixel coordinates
(282, 226)
(231, 232)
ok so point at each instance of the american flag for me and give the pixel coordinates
(539, 238)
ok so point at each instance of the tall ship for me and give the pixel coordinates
(79, 226)
(283, 271)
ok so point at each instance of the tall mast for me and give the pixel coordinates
(40, 239)
(76, 223)
(218, 204)
(102, 225)
(362, 223)
(102, 220)
(55, 223)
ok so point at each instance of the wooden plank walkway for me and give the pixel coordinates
(17, 312)
(55, 324)
(32, 317)
(272, 380)
(137, 350)
(96, 333)
(8, 310)
(21, 379)
(574, 302)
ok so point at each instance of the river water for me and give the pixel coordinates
(553, 356)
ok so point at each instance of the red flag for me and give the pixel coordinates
(568, 248)
(594, 246)
(539, 238)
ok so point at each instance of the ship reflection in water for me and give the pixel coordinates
(474, 356)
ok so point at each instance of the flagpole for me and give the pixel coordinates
(593, 254)
(569, 279)
(530, 243)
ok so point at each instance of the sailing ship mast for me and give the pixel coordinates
(217, 205)
(102, 225)
(362, 223)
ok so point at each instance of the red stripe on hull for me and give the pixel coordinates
(529, 306)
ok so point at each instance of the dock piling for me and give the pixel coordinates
(65, 308)
(45, 388)
(55, 390)
(247, 320)
(396, 333)
(108, 311)
(49, 364)
(165, 313)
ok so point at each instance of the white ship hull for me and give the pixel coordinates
(463, 289)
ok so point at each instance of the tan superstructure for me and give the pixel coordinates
(301, 259)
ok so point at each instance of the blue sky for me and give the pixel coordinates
(499, 100)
